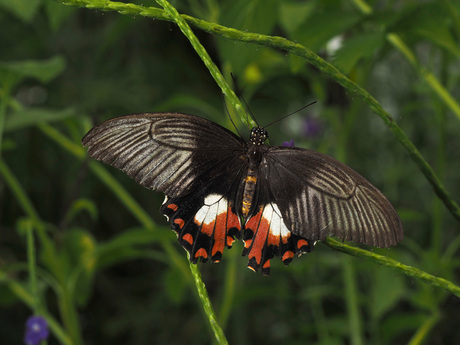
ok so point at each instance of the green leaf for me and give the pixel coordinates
(57, 13)
(387, 290)
(324, 25)
(43, 70)
(356, 48)
(31, 117)
(79, 254)
(80, 205)
(128, 246)
(23, 9)
(430, 21)
(293, 14)
(252, 16)
(175, 285)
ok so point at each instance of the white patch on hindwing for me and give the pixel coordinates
(273, 216)
(214, 204)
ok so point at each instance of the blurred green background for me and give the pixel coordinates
(106, 279)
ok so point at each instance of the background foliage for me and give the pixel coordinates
(106, 277)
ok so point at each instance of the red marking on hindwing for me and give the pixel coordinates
(266, 264)
(179, 222)
(259, 239)
(217, 229)
(287, 255)
(247, 243)
(301, 243)
(172, 207)
(233, 221)
(230, 241)
(201, 253)
(285, 239)
(188, 238)
(273, 240)
(253, 222)
(219, 234)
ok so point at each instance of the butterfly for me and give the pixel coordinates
(219, 188)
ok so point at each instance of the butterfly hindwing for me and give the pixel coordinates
(266, 235)
(206, 220)
(319, 196)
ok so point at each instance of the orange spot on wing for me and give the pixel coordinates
(301, 243)
(287, 255)
(251, 268)
(179, 222)
(172, 207)
(230, 241)
(247, 243)
(201, 253)
(188, 238)
(266, 264)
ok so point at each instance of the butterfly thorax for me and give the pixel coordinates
(255, 147)
(258, 136)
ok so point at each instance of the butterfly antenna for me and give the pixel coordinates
(305, 106)
(238, 92)
(231, 120)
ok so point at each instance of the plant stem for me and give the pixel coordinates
(32, 266)
(386, 261)
(203, 54)
(207, 306)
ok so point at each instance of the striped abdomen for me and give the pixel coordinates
(248, 192)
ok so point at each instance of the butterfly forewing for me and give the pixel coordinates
(319, 197)
(166, 152)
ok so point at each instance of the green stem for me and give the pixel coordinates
(420, 336)
(229, 288)
(18, 192)
(70, 316)
(207, 306)
(32, 266)
(201, 51)
(299, 50)
(386, 261)
(354, 319)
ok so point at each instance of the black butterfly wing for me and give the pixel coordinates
(166, 152)
(195, 162)
(319, 196)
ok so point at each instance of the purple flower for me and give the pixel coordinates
(36, 330)
(312, 127)
(289, 143)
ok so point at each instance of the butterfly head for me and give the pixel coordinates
(258, 136)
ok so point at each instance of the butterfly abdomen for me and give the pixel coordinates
(248, 192)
